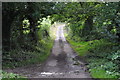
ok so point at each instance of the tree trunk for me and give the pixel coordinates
(88, 25)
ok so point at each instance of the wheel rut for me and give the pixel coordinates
(62, 62)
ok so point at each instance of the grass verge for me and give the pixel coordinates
(99, 57)
(20, 57)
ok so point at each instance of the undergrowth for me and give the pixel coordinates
(18, 58)
(21, 57)
(102, 56)
(12, 76)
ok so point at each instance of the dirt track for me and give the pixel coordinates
(62, 63)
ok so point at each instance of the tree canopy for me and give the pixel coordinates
(93, 28)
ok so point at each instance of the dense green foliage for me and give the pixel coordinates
(26, 33)
(101, 56)
(26, 37)
(93, 30)
(11, 75)
(91, 20)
